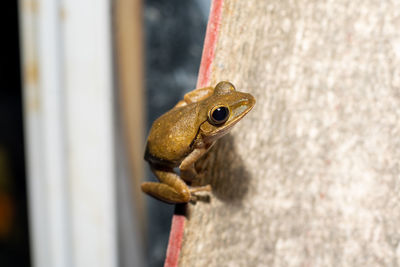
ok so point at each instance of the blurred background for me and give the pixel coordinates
(81, 84)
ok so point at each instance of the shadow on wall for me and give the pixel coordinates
(228, 177)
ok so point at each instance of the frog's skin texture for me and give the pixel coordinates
(185, 133)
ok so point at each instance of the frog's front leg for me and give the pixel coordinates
(187, 167)
(195, 96)
(171, 189)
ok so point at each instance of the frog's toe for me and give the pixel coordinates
(202, 198)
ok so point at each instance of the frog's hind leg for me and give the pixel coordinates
(171, 189)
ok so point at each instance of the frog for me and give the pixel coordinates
(180, 137)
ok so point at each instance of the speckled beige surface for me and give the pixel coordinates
(311, 176)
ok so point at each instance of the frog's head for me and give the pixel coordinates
(224, 109)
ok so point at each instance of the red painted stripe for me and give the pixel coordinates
(175, 241)
(203, 80)
(210, 42)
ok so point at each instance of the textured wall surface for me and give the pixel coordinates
(311, 176)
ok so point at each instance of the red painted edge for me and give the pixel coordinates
(210, 42)
(203, 80)
(175, 241)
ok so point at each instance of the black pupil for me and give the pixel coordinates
(220, 114)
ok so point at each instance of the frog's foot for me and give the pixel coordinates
(194, 197)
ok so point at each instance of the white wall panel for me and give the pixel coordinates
(68, 102)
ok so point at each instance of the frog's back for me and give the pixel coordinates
(172, 135)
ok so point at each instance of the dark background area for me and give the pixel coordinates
(174, 33)
(14, 238)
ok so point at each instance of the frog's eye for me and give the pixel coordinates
(219, 115)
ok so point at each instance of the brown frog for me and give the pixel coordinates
(185, 133)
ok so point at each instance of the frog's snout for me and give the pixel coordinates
(243, 106)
